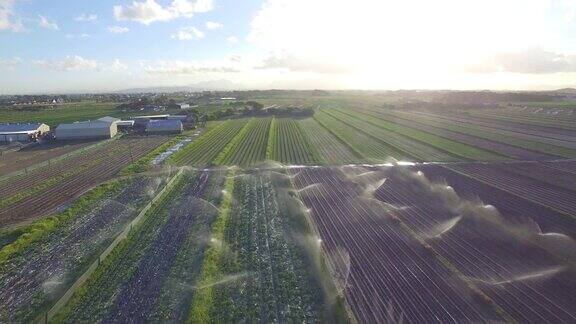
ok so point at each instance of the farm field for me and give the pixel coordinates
(34, 277)
(27, 196)
(30, 155)
(365, 212)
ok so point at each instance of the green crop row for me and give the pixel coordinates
(271, 139)
(363, 146)
(201, 307)
(94, 298)
(292, 145)
(492, 135)
(452, 147)
(206, 148)
(331, 150)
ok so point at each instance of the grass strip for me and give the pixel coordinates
(201, 308)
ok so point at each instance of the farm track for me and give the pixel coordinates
(386, 266)
(485, 253)
(103, 164)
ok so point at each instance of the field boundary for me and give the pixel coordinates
(46, 317)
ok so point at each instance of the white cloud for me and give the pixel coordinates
(292, 63)
(150, 11)
(235, 58)
(118, 29)
(395, 40)
(184, 67)
(47, 23)
(86, 17)
(530, 61)
(73, 36)
(69, 63)
(211, 25)
(79, 63)
(188, 33)
(10, 64)
(8, 21)
(232, 39)
(117, 66)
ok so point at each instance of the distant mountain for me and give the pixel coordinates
(213, 85)
(567, 90)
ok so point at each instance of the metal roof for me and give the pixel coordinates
(15, 128)
(169, 123)
(151, 116)
(85, 124)
(109, 119)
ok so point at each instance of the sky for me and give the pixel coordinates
(68, 46)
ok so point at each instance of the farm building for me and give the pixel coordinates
(172, 126)
(183, 105)
(22, 132)
(86, 130)
(125, 124)
(109, 119)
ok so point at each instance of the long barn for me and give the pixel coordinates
(22, 132)
(101, 128)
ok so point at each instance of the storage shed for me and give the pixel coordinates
(22, 132)
(86, 130)
(170, 126)
(108, 119)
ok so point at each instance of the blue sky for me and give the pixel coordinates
(104, 45)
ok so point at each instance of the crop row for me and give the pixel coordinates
(291, 144)
(137, 281)
(330, 149)
(420, 123)
(550, 122)
(488, 250)
(356, 141)
(249, 146)
(34, 154)
(38, 272)
(418, 149)
(268, 280)
(443, 144)
(206, 148)
(96, 169)
(529, 142)
(553, 197)
(385, 274)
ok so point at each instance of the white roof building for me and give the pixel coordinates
(170, 126)
(86, 130)
(12, 132)
(109, 119)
